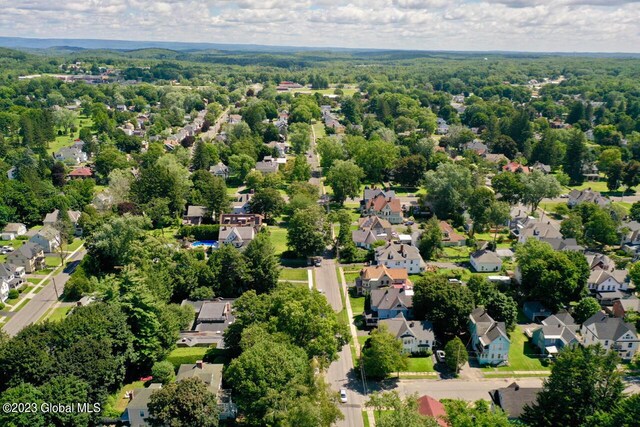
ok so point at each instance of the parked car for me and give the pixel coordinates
(440, 354)
(343, 395)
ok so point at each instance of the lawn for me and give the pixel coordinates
(318, 128)
(121, 401)
(294, 274)
(521, 355)
(74, 245)
(278, 238)
(456, 253)
(331, 91)
(182, 355)
(59, 313)
(362, 339)
(66, 140)
(351, 276)
(420, 364)
(365, 419)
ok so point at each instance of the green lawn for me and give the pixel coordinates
(365, 419)
(294, 274)
(34, 281)
(521, 355)
(456, 253)
(420, 364)
(351, 276)
(318, 128)
(59, 313)
(182, 355)
(331, 91)
(74, 245)
(52, 261)
(357, 305)
(121, 401)
(66, 140)
(278, 238)
(362, 339)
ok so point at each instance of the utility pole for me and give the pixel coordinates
(53, 279)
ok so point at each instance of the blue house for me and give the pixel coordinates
(557, 331)
(489, 338)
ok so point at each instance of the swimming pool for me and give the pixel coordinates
(205, 243)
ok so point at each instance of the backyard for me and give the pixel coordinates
(522, 355)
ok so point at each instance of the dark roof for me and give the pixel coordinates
(513, 399)
(608, 328)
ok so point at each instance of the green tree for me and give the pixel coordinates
(209, 191)
(575, 156)
(503, 308)
(498, 215)
(455, 354)
(483, 198)
(25, 393)
(66, 390)
(204, 156)
(185, 403)
(591, 372)
(461, 413)
(300, 137)
(631, 174)
(508, 187)
(398, 412)
(382, 354)
(634, 273)
(410, 170)
(230, 270)
(635, 211)
(538, 186)
(164, 179)
(571, 227)
(625, 413)
(447, 305)
(309, 232)
(430, 243)
(267, 202)
(110, 244)
(262, 263)
(330, 150)
(163, 372)
(448, 189)
(585, 308)
(300, 169)
(241, 164)
(344, 179)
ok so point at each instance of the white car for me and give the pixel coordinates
(343, 395)
(440, 355)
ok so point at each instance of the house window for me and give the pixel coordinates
(630, 345)
(606, 343)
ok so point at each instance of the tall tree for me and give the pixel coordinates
(430, 243)
(267, 202)
(575, 156)
(448, 189)
(344, 179)
(455, 354)
(185, 403)
(262, 263)
(309, 231)
(382, 354)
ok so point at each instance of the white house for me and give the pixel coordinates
(612, 333)
(489, 338)
(237, 236)
(607, 281)
(396, 255)
(485, 260)
(12, 230)
(416, 336)
(71, 155)
(48, 238)
(12, 274)
(4, 291)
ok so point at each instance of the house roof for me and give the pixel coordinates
(600, 261)
(196, 211)
(49, 233)
(631, 303)
(373, 221)
(513, 399)
(540, 230)
(452, 235)
(598, 276)
(29, 250)
(560, 244)
(560, 326)
(392, 298)
(370, 193)
(400, 327)
(219, 168)
(515, 167)
(81, 172)
(487, 329)
(267, 166)
(397, 251)
(608, 328)
(13, 227)
(588, 195)
(486, 256)
(244, 232)
(364, 237)
(379, 202)
(430, 407)
(209, 373)
(377, 271)
(8, 270)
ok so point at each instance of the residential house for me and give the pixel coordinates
(137, 411)
(12, 230)
(371, 193)
(590, 172)
(388, 208)
(545, 169)
(74, 216)
(268, 165)
(513, 399)
(103, 201)
(48, 238)
(395, 255)
(29, 256)
(13, 275)
(430, 407)
(387, 303)
(489, 338)
(612, 333)
(80, 173)
(238, 236)
(253, 220)
(416, 336)
(70, 155)
(630, 232)
(600, 262)
(623, 306)
(516, 167)
(195, 215)
(234, 119)
(560, 244)
(535, 311)
(557, 332)
(449, 235)
(241, 204)
(213, 317)
(587, 196)
(443, 127)
(211, 375)
(379, 276)
(538, 230)
(608, 286)
(485, 260)
(220, 170)
(477, 146)
(4, 291)
(496, 158)
(370, 230)
(279, 149)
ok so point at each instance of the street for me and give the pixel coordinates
(43, 300)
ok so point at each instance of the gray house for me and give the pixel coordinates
(557, 332)
(416, 336)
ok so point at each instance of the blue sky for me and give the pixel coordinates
(522, 25)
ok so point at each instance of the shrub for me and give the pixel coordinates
(13, 294)
(200, 232)
(2, 306)
(163, 372)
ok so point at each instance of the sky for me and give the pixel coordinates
(480, 25)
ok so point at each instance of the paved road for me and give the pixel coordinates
(341, 373)
(215, 128)
(43, 300)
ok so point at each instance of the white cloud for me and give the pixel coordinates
(525, 25)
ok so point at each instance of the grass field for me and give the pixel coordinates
(521, 355)
(365, 419)
(330, 91)
(74, 245)
(52, 261)
(121, 401)
(182, 355)
(293, 274)
(278, 238)
(318, 128)
(59, 313)
(420, 364)
(66, 140)
(21, 305)
(351, 276)
(357, 305)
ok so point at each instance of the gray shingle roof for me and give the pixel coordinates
(389, 298)
(401, 327)
(608, 328)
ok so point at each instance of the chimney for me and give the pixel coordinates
(199, 364)
(517, 387)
